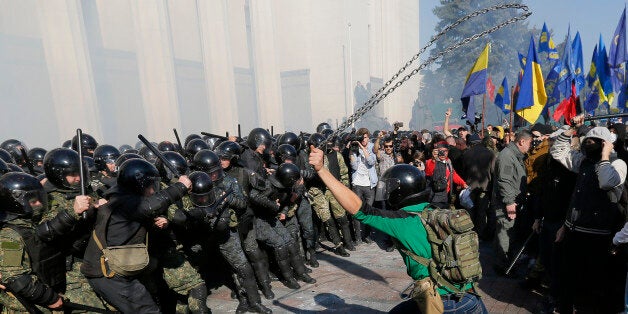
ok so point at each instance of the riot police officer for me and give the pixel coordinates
(32, 271)
(133, 205)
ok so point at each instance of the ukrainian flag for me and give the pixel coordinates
(502, 99)
(476, 79)
(532, 97)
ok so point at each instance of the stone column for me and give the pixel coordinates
(266, 69)
(69, 67)
(156, 68)
(223, 107)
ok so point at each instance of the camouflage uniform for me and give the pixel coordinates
(14, 262)
(78, 289)
(336, 209)
(178, 273)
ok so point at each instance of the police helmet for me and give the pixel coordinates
(176, 160)
(59, 163)
(202, 185)
(207, 161)
(228, 150)
(285, 152)
(136, 175)
(257, 137)
(105, 154)
(21, 195)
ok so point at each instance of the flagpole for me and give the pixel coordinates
(512, 97)
(483, 112)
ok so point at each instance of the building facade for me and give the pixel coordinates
(117, 68)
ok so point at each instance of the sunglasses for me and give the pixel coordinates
(388, 146)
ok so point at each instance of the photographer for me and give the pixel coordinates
(364, 176)
(441, 176)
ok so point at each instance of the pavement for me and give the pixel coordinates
(372, 280)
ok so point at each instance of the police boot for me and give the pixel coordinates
(346, 233)
(261, 273)
(243, 305)
(255, 302)
(246, 278)
(283, 261)
(330, 224)
(297, 264)
(311, 252)
(197, 300)
(263, 279)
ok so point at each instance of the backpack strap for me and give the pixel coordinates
(431, 266)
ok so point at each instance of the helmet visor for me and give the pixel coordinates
(385, 187)
(34, 202)
(202, 199)
(216, 173)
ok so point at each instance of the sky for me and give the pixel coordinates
(590, 17)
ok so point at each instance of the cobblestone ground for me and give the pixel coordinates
(372, 280)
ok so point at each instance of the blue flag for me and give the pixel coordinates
(566, 69)
(578, 63)
(502, 99)
(522, 60)
(618, 53)
(622, 100)
(604, 71)
(551, 82)
(592, 75)
(546, 44)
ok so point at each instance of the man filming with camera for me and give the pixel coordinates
(442, 176)
(364, 176)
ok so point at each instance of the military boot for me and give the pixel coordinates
(298, 266)
(246, 278)
(197, 300)
(335, 238)
(311, 252)
(255, 304)
(283, 261)
(261, 273)
(346, 233)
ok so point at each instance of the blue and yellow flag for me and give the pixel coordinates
(578, 63)
(595, 98)
(604, 71)
(551, 82)
(502, 99)
(532, 97)
(475, 84)
(565, 76)
(546, 44)
(522, 60)
(592, 70)
(618, 53)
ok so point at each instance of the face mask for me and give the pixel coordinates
(592, 151)
(613, 137)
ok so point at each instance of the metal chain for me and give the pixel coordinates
(380, 94)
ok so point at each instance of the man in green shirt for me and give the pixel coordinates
(405, 191)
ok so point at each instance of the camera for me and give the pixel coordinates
(441, 153)
(397, 125)
(354, 145)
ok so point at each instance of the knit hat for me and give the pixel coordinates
(599, 132)
(441, 144)
(541, 128)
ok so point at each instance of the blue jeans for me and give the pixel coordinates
(468, 303)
